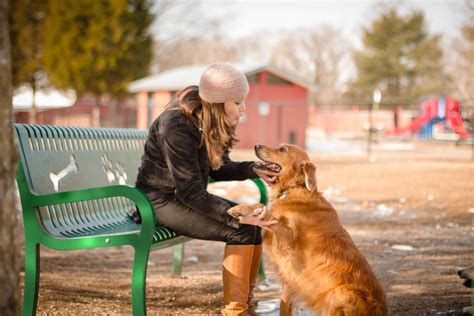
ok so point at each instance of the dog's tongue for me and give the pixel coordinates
(268, 166)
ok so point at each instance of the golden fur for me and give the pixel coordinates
(316, 259)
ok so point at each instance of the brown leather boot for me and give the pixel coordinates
(257, 254)
(285, 303)
(237, 265)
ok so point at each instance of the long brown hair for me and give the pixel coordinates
(218, 134)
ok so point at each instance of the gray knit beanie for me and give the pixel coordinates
(222, 82)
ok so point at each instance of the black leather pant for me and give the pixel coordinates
(173, 214)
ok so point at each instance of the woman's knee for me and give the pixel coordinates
(258, 236)
(244, 235)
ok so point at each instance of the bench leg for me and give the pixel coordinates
(140, 263)
(178, 259)
(31, 283)
(261, 270)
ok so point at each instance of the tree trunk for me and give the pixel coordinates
(96, 113)
(9, 251)
(115, 116)
(32, 112)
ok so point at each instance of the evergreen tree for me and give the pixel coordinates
(26, 33)
(97, 46)
(400, 58)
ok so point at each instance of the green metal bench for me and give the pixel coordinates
(76, 190)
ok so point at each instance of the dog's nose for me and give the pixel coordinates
(257, 147)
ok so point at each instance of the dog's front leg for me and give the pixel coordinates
(243, 209)
(285, 303)
(284, 234)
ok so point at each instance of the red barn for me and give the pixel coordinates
(277, 105)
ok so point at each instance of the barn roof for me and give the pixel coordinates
(45, 99)
(178, 78)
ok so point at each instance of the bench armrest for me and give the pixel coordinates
(262, 189)
(135, 195)
(260, 185)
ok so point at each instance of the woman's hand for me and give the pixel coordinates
(257, 218)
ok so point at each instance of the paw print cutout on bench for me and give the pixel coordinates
(112, 172)
(108, 167)
(120, 173)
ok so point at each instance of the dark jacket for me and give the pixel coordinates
(174, 165)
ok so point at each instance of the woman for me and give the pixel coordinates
(189, 142)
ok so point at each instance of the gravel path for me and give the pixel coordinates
(410, 212)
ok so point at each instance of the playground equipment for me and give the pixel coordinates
(435, 111)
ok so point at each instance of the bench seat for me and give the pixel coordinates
(76, 189)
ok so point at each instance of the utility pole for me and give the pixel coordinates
(263, 111)
(376, 98)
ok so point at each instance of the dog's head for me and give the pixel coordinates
(296, 168)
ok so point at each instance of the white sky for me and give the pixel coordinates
(245, 17)
(349, 16)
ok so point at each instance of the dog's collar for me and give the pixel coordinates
(284, 194)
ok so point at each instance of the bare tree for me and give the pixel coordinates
(9, 252)
(192, 51)
(257, 48)
(185, 34)
(317, 55)
(460, 64)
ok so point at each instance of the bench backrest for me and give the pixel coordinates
(60, 158)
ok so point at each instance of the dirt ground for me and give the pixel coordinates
(410, 212)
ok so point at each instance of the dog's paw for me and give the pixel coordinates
(235, 211)
(243, 209)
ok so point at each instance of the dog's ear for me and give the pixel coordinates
(309, 170)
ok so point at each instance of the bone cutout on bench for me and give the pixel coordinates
(55, 178)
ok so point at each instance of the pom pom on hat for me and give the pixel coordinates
(222, 82)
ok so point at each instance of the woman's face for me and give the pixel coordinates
(234, 109)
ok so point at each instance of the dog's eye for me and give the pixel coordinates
(283, 149)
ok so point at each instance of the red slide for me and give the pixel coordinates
(430, 110)
(418, 122)
(457, 124)
(453, 116)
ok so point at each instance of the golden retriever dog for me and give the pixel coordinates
(316, 259)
